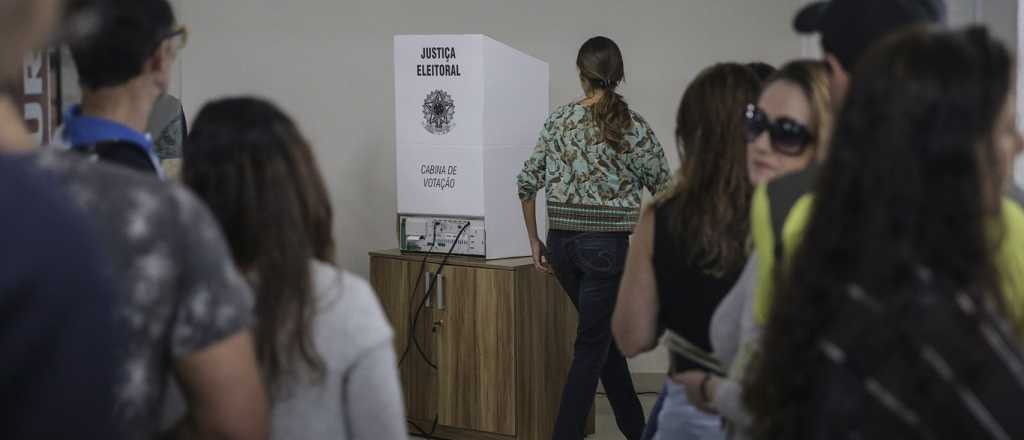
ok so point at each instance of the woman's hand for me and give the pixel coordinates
(537, 249)
(540, 255)
(693, 381)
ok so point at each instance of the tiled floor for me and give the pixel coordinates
(605, 422)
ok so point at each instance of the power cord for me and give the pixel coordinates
(416, 316)
(412, 329)
(425, 434)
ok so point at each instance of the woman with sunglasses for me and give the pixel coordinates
(788, 127)
(786, 131)
(689, 247)
(893, 320)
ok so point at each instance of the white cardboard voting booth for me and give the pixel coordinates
(468, 111)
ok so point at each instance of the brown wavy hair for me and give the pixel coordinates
(601, 68)
(710, 204)
(248, 161)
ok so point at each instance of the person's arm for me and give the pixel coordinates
(537, 249)
(530, 181)
(211, 344)
(373, 398)
(635, 320)
(714, 394)
(224, 392)
(651, 162)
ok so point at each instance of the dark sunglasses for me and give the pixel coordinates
(788, 137)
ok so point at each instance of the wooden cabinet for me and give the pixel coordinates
(499, 333)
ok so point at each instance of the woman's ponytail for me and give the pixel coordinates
(613, 118)
(600, 64)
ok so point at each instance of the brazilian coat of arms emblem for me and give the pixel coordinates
(438, 112)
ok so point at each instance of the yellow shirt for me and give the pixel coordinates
(1009, 258)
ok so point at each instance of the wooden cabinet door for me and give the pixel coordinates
(394, 280)
(475, 348)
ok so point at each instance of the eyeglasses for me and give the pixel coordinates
(788, 137)
(179, 36)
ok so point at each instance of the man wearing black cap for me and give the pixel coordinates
(848, 28)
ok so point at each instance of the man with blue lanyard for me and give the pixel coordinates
(123, 69)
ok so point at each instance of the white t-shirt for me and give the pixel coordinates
(360, 396)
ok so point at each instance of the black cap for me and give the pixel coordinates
(849, 27)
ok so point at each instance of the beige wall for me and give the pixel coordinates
(329, 63)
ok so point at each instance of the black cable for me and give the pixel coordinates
(430, 289)
(425, 434)
(412, 328)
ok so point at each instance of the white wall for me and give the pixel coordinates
(328, 63)
(999, 15)
(1003, 18)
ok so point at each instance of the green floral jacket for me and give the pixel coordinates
(589, 186)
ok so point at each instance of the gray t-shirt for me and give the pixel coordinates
(182, 291)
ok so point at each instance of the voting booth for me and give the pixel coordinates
(468, 111)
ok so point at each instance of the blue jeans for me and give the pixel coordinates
(652, 419)
(681, 420)
(589, 267)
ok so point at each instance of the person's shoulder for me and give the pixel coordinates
(114, 191)
(638, 119)
(349, 311)
(334, 281)
(1013, 213)
(84, 171)
(1012, 219)
(565, 112)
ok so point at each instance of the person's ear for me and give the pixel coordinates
(838, 80)
(164, 57)
(160, 63)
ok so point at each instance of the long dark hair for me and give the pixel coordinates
(247, 160)
(710, 204)
(904, 186)
(600, 64)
